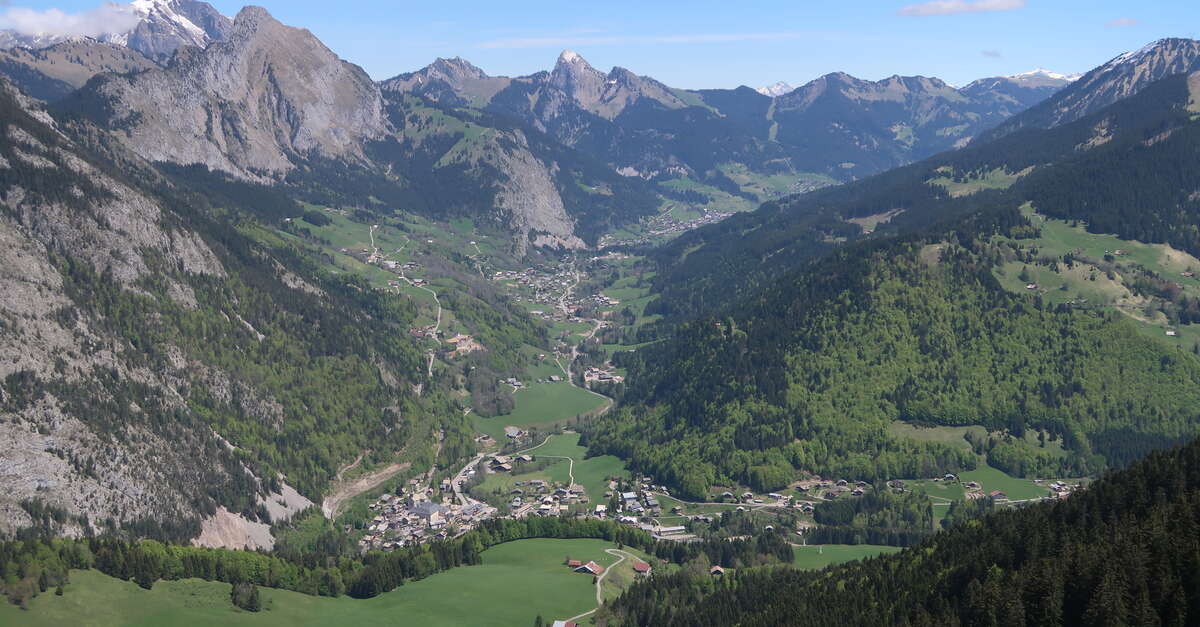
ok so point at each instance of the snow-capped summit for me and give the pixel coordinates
(776, 90)
(570, 56)
(1044, 73)
(155, 28)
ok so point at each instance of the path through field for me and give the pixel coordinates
(600, 582)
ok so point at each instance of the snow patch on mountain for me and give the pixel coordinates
(776, 90)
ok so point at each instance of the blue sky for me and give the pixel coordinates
(703, 43)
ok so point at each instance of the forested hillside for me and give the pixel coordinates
(1123, 552)
(1135, 154)
(805, 371)
(169, 360)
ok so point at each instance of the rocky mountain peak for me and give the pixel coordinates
(1120, 78)
(455, 70)
(266, 96)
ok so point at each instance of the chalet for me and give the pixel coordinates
(591, 568)
(716, 571)
(574, 563)
(513, 432)
(564, 623)
(641, 568)
(996, 494)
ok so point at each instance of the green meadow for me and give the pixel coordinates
(516, 582)
(820, 556)
(542, 405)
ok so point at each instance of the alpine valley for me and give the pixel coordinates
(282, 342)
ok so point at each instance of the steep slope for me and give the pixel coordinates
(166, 363)
(806, 369)
(1119, 78)
(53, 73)
(1122, 552)
(252, 105)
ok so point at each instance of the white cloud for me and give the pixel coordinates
(623, 40)
(102, 20)
(1123, 21)
(954, 7)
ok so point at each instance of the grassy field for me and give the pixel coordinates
(820, 556)
(954, 436)
(1087, 284)
(993, 479)
(516, 582)
(541, 405)
(993, 179)
(591, 473)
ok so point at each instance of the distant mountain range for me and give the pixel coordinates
(155, 28)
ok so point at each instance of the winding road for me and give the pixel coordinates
(622, 555)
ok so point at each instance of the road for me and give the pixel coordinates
(461, 476)
(622, 555)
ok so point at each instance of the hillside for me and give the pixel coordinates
(168, 365)
(1123, 551)
(804, 370)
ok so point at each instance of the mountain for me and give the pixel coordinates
(1121, 552)
(1121, 77)
(730, 140)
(55, 72)
(148, 387)
(1041, 76)
(154, 28)
(214, 107)
(798, 353)
(320, 126)
(777, 89)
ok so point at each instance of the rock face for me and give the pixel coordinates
(166, 25)
(1119, 78)
(251, 105)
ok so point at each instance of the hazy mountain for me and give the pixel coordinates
(836, 125)
(155, 28)
(777, 89)
(1121, 77)
(54, 72)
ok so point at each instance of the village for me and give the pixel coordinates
(665, 225)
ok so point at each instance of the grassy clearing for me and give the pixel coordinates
(517, 581)
(820, 556)
(993, 479)
(954, 436)
(541, 405)
(1085, 283)
(592, 473)
(998, 178)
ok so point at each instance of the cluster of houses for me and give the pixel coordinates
(664, 224)
(402, 521)
(537, 497)
(592, 568)
(604, 376)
